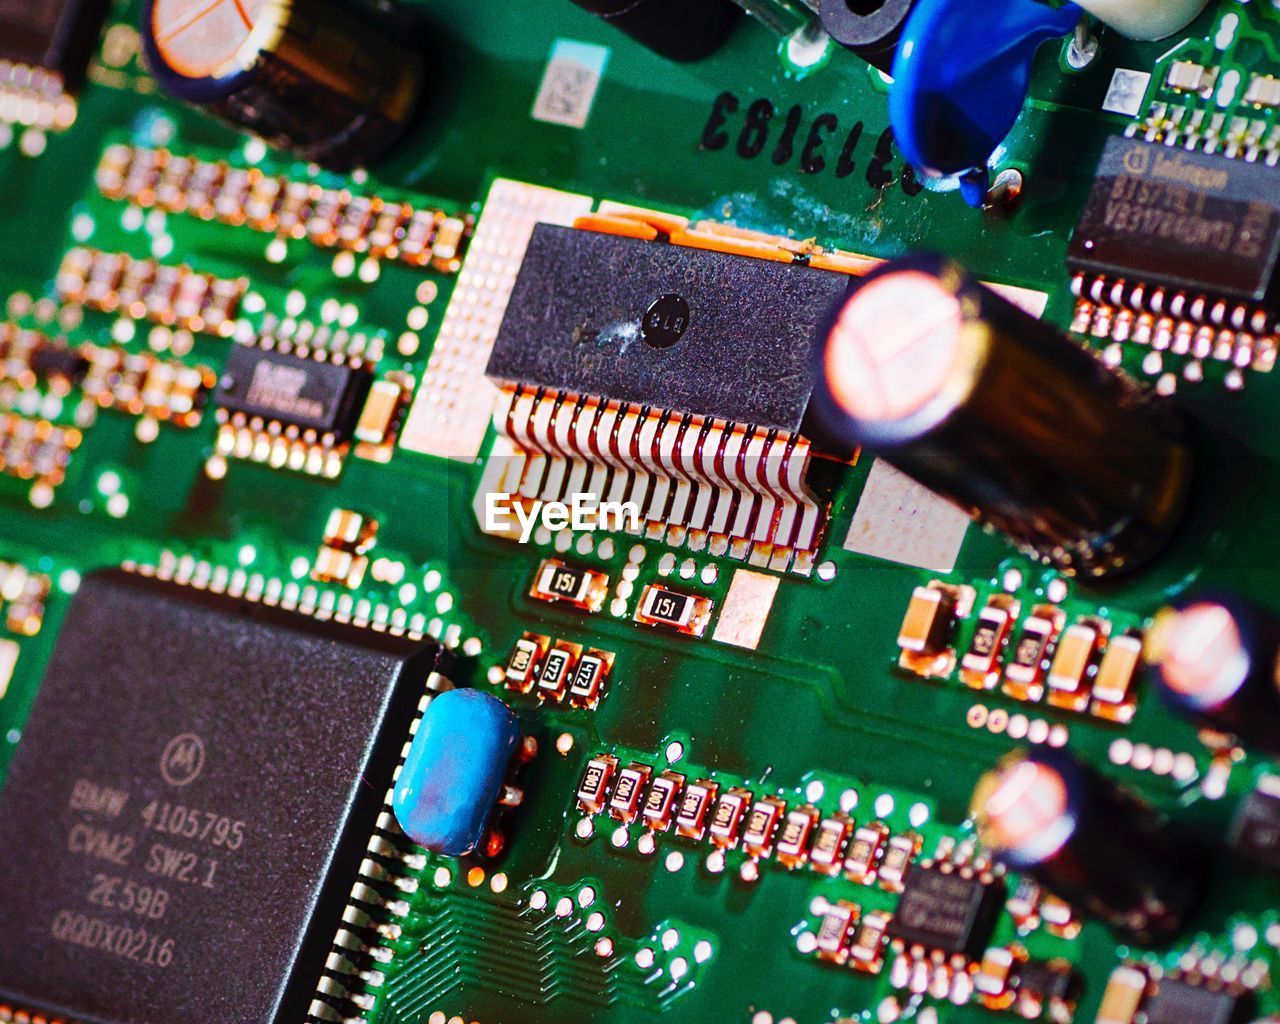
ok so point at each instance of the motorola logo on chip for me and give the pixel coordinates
(183, 759)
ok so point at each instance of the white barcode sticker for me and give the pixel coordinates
(569, 84)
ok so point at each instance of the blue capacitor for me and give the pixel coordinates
(961, 77)
(455, 770)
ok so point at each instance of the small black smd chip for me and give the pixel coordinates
(1179, 1002)
(190, 802)
(1255, 832)
(1185, 219)
(305, 394)
(946, 910)
(59, 35)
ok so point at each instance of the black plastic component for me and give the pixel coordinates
(306, 394)
(1238, 695)
(1180, 1002)
(1104, 851)
(870, 28)
(54, 360)
(336, 82)
(680, 30)
(232, 756)
(57, 35)
(1033, 434)
(1255, 832)
(667, 326)
(1187, 220)
(1047, 979)
(947, 911)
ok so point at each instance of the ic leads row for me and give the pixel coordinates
(554, 670)
(1084, 666)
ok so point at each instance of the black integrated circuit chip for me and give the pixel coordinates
(947, 910)
(191, 800)
(59, 35)
(1184, 219)
(1179, 1002)
(666, 326)
(304, 394)
(1255, 832)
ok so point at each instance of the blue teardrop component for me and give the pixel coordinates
(454, 772)
(961, 77)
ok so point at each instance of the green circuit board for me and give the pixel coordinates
(582, 918)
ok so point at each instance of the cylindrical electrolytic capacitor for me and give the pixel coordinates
(1145, 19)
(333, 81)
(680, 30)
(1215, 658)
(1011, 420)
(1087, 841)
(870, 29)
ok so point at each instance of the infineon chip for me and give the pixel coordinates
(1182, 219)
(192, 798)
(947, 910)
(279, 387)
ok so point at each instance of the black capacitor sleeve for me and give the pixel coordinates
(1073, 461)
(1120, 862)
(337, 83)
(680, 30)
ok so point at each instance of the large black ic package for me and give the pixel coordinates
(306, 394)
(1179, 1002)
(666, 326)
(1200, 222)
(187, 809)
(1255, 831)
(59, 35)
(947, 910)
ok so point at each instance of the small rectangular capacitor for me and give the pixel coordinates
(1072, 661)
(762, 823)
(835, 933)
(625, 802)
(1263, 91)
(1113, 691)
(685, 613)
(897, 859)
(1188, 76)
(557, 669)
(827, 855)
(526, 657)
(926, 630)
(1123, 996)
(691, 818)
(864, 853)
(867, 951)
(980, 666)
(793, 836)
(589, 678)
(726, 819)
(595, 783)
(584, 589)
(661, 801)
(1024, 672)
